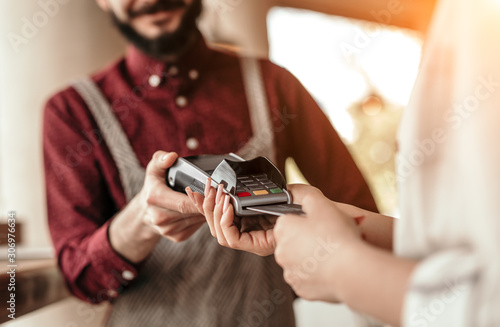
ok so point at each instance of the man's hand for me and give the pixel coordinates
(250, 234)
(314, 248)
(171, 213)
(156, 211)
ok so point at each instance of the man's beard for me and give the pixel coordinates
(167, 43)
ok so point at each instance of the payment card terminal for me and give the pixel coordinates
(255, 186)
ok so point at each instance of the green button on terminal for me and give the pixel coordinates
(276, 190)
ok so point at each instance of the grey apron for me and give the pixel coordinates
(198, 282)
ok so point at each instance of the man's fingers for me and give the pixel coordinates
(190, 231)
(174, 227)
(160, 162)
(197, 199)
(162, 196)
(300, 191)
(161, 216)
(186, 233)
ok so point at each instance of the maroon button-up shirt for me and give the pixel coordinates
(83, 185)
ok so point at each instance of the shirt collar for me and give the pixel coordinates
(141, 66)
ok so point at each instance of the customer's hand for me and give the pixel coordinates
(313, 248)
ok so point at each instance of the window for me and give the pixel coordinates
(361, 74)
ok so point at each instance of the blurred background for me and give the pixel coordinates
(360, 72)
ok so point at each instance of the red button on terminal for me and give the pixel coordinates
(244, 194)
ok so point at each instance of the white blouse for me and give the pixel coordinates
(449, 171)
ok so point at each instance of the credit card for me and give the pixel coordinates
(278, 209)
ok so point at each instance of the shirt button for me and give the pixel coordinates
(193, 74)
(112, 294)
(181, 101)
(173, 70)
(192, 143)
(128, 275)
(154, 80)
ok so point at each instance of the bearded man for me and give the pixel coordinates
(120, 233)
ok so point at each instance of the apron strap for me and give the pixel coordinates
(262, 142)
(129, 168)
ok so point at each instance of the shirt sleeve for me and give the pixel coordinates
(79, 207)
(307, 136)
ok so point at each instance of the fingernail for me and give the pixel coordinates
(226, 203)
(208, 185)
(218, 198)
(164, 157)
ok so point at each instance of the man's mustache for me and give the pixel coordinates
(158, 7)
